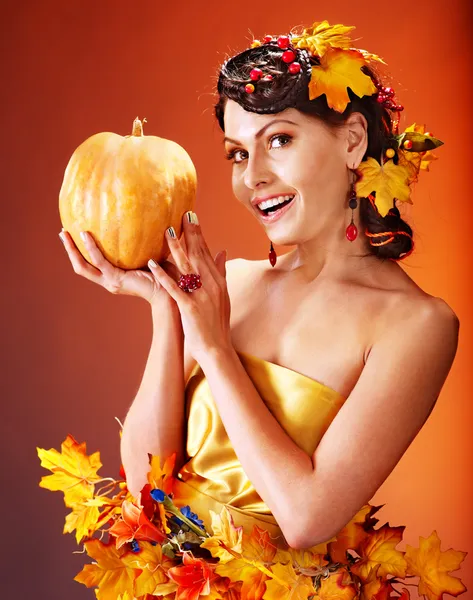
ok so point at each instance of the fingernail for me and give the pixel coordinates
(152, 263)
(189, 216)
(61, 237)
(83, 235)
(171, 232)
(195, 220)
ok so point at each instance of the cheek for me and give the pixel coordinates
(239, 188)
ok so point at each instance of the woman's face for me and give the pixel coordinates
(288, 154)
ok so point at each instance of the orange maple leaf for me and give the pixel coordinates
(337, 586)
(109, 573)
(162, 478)
(339, 70)
(258, 551)
(154, 564)
(378, 548)
(432, 567)
(74, 473)
(287, 585)
(350, 536)
(374, 588)
(135, 525)
(389, 181)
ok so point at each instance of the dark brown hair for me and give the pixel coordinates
(288, 90)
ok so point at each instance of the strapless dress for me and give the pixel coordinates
(212, 476)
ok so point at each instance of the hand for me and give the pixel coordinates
(205, 312)
(138, 282)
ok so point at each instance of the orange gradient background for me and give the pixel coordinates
(73, 354)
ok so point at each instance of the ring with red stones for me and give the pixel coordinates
(189, 282)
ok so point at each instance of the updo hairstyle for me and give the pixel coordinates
(287, 90)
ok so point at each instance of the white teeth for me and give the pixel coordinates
(273, 201)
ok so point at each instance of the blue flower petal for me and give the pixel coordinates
(186, 511)
(158, 495)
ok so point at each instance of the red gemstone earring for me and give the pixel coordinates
(352, 231)
(272, 255)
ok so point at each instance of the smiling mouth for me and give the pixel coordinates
(273, 209)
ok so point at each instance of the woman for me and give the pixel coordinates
(310, 390)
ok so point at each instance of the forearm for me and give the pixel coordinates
(273, 462)
(155, 421)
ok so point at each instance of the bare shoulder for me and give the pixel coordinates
(424, 328)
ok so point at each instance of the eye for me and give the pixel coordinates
(280, 136)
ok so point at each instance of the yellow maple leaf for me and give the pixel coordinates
(153, 563)
(337, 586)
(109, 573)
(225, 532)
(306, 561)
(389, 181)
(322, 36)
(287, 585)
(339, 70)
(250, 568)
(432, 567)
(74, 473)
(378, 548)
(83, 519)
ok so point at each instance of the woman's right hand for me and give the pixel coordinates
(137, 282)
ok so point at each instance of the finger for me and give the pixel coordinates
(167, 283)
(79, 264)
(198, 251)
(97, 258)
(177, 252)
(221, 263)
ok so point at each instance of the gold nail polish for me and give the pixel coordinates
(195, 220)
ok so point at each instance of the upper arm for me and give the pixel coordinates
(234, 269)
(392, 399)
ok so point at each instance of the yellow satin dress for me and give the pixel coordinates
(213, 476)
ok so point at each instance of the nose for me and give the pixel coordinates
(257, 172)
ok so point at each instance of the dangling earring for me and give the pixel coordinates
(352, 231)
(272, 255)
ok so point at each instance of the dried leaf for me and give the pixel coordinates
(433, 568)
(378, 549)
(74, 473)
(287, 585)
(109, 572)
(389, 181)
(339, 70)
(225, 532)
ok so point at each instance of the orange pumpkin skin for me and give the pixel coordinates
(126, 191)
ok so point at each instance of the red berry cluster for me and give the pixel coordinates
(288, 56)
(189, 282)
(386, 98)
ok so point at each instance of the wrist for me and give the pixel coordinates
(216, 356)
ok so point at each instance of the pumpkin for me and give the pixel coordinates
(126, 191)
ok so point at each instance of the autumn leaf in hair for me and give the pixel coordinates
(389, 181)
(339, 70)
(321, 37)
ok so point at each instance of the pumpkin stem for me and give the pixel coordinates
(138, 127)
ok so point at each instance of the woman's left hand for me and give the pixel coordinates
(205, 312)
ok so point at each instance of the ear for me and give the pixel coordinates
(356, 139)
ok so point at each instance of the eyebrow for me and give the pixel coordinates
(262, 130)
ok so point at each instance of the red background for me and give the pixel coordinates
(73, 355)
